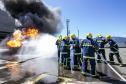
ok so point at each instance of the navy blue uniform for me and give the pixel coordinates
(89, 47)
(101, 44)
(114, 50)
(64, 55)
(75, 53)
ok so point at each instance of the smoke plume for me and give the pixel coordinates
(34, 13)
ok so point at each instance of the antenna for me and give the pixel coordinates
(67, 26)
(78, 32)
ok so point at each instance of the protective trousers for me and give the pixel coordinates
(102, 53)
(77, 59)
(111, 58)
(92, 65)
(58, 55)
(63, 56)
(68, 60)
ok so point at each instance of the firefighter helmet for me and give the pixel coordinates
(60, 37)
(99, 35)
(65, 37)
(73, 36)
(68, 38)
(108, 36)
(89, 35)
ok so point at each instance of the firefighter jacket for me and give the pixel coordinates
(75, 45)
(113, 45)
(65, 46)
(58, 43)
(101, 42)
(89, 46)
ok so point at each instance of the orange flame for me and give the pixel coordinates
(14, 44)
(31, 32)
(18, 37)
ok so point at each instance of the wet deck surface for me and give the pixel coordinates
(5, 75)
(122, 70)
(105, 74)
(75, 77)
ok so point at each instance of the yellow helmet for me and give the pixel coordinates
(108, 36)
(73, 36)
(89, 35)
(99, 35)
(60, 37)
(68, 38)
(65, 37)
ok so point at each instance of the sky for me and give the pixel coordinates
(95, 16)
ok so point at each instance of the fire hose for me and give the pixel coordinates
(43, 75)
(105, 61)
(2, 66)
(36, 79)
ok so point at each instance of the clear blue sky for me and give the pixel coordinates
(96, 16)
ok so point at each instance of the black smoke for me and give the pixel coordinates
(33, 13)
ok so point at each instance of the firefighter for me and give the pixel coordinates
(64, 51)
(114, 50)
(101, 41)
(89, 46)
(68, 56)
(58, 43)
(75, 52)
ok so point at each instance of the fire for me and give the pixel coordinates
(19, 37)
(16, 40)
(14, 68)
(14, 44)
(31, 32)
